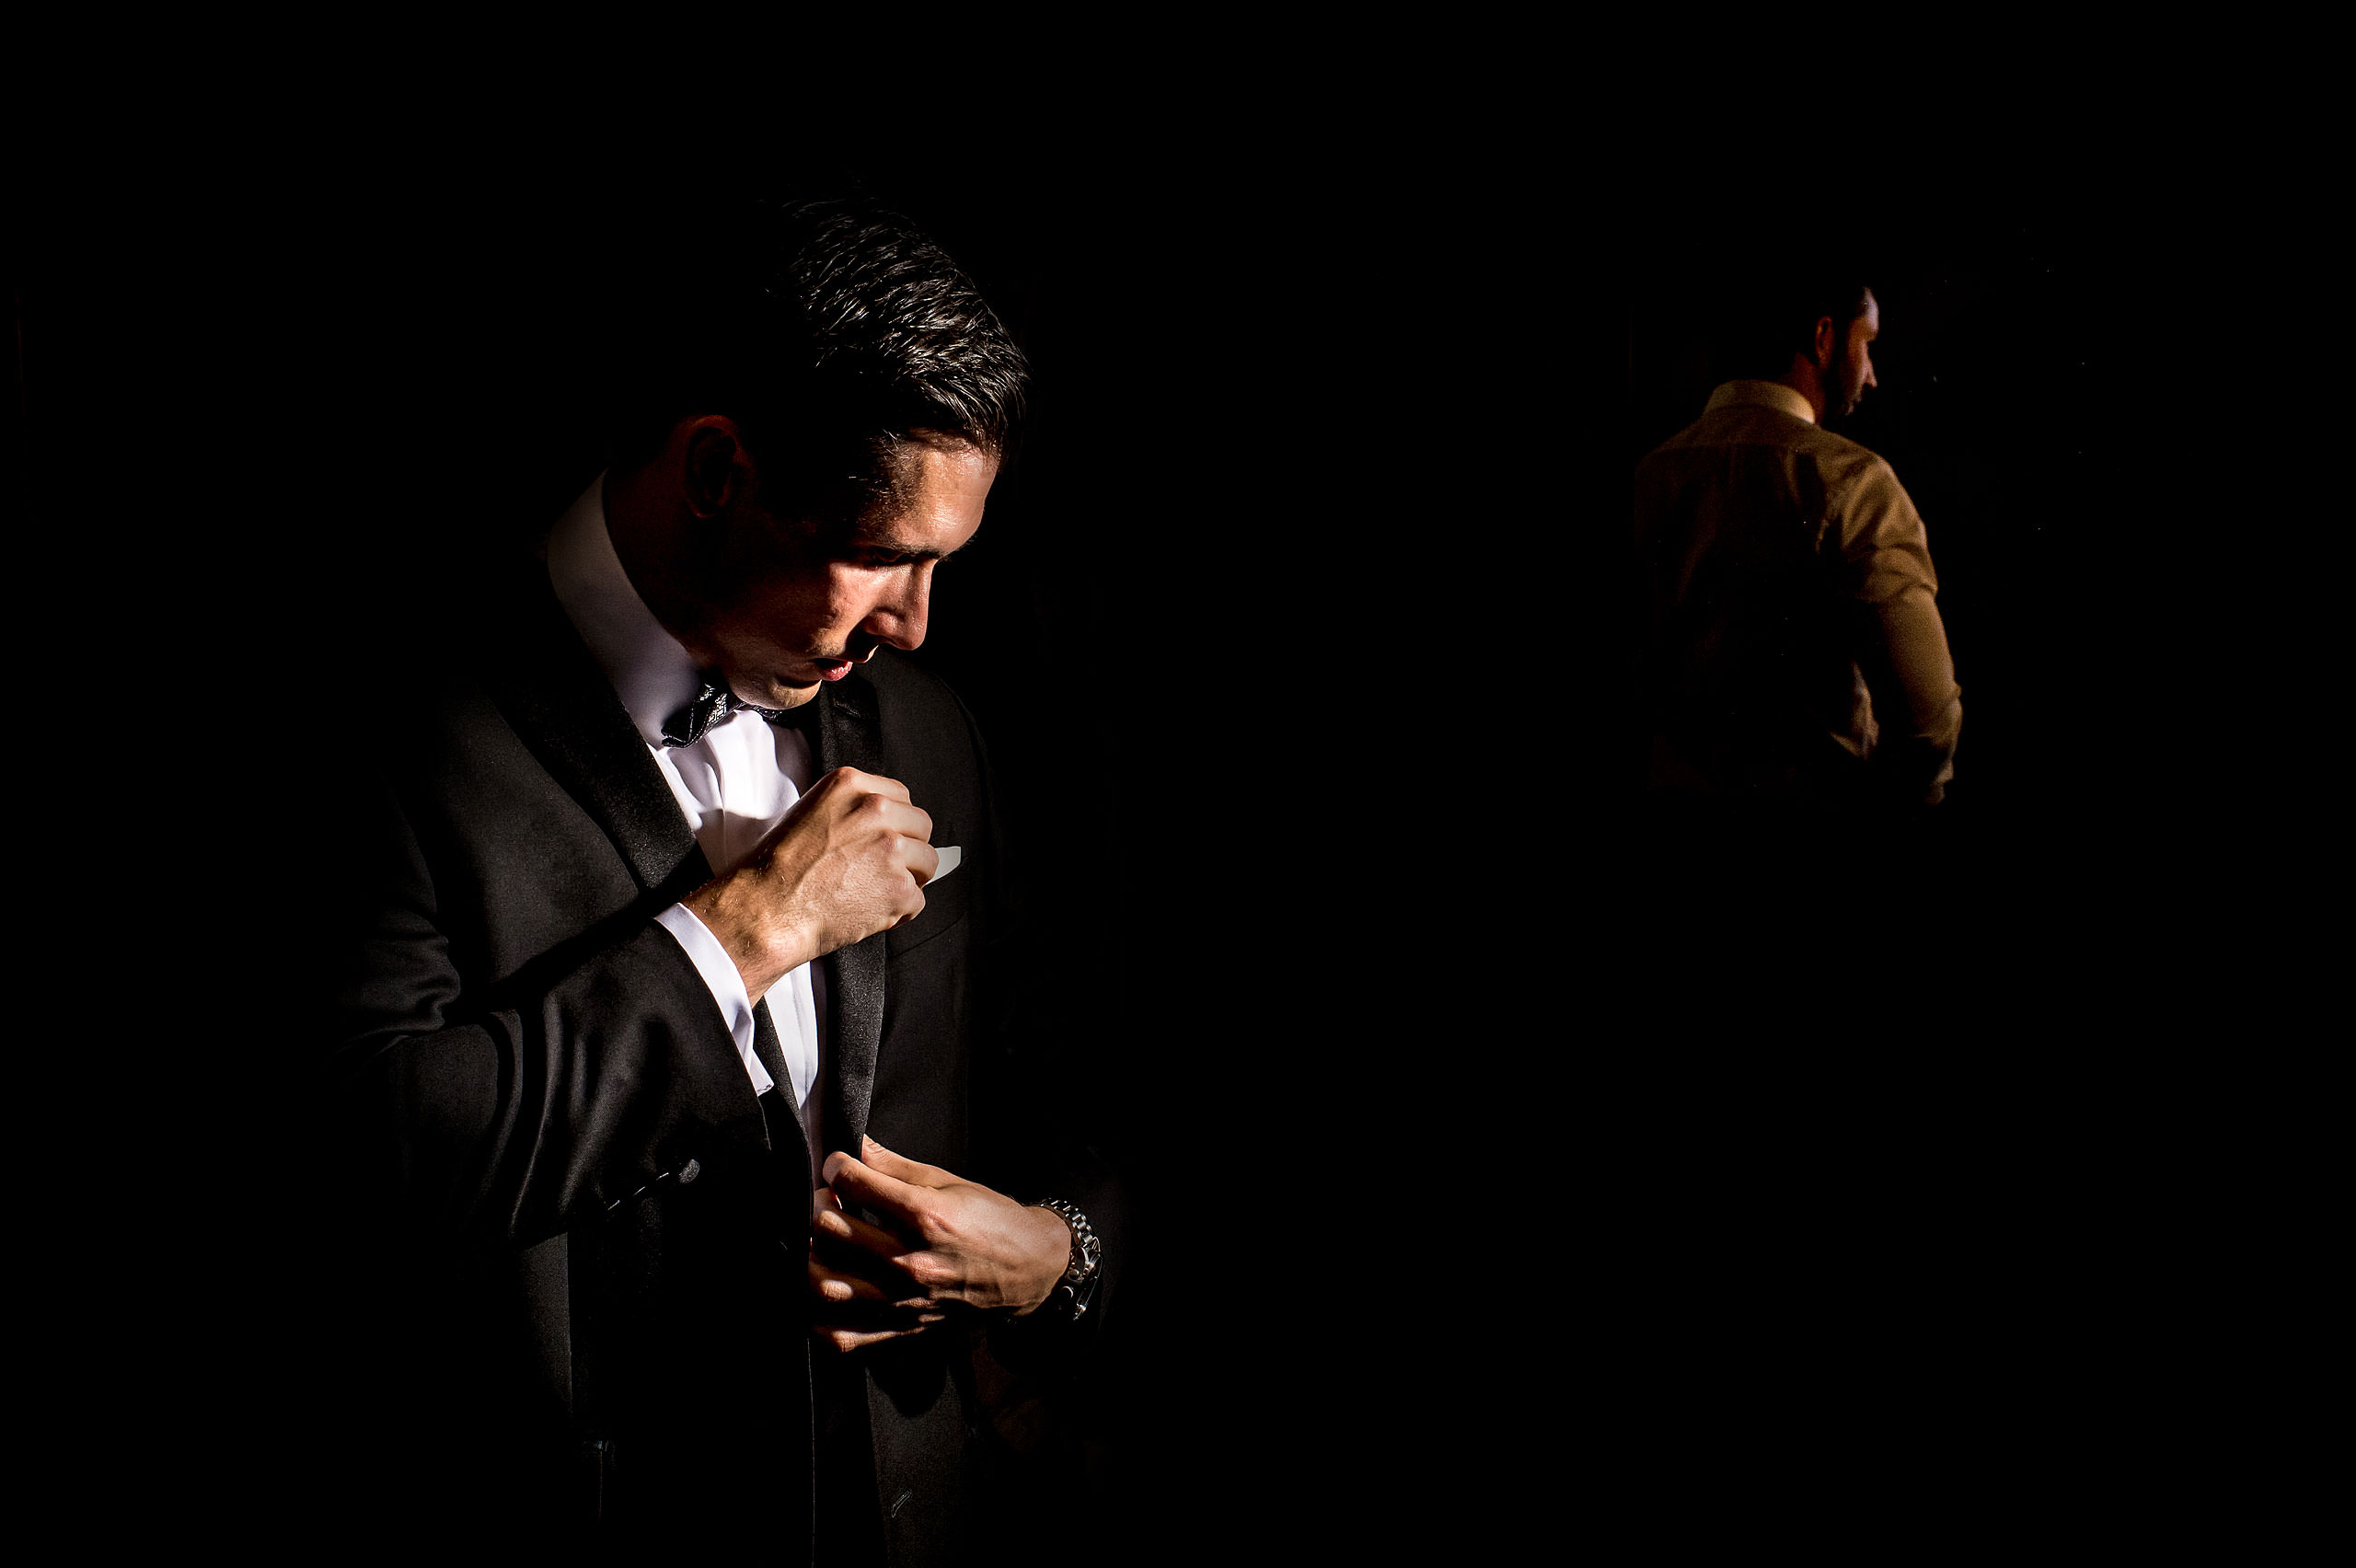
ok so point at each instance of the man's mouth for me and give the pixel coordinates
(835, 669)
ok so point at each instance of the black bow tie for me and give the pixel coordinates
(713, 702)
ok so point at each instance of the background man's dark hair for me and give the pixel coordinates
(1766, 317)
(829, 330)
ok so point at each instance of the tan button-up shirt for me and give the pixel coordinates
(1793, 646)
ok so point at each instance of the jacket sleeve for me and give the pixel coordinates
(494, 1114)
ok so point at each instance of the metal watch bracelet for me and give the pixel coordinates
(1074, 1290)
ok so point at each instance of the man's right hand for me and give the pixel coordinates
(858, 1296)
(850, 859)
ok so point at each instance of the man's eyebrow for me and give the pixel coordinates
(905, 552)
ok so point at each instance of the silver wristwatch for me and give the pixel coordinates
(1075, 1291)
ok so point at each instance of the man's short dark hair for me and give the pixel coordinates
(833, 332)
(1764, 319)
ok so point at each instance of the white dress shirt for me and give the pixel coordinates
(734, 785)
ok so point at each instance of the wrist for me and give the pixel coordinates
(1047, 1255)
(764, 948)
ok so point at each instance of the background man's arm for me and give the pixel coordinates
(1901, 641)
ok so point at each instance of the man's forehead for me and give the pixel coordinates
(938, 512)
(1871, 314)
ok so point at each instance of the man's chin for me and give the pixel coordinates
(792, 688)
(774, 695)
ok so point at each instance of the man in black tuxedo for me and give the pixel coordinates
(684, 1150)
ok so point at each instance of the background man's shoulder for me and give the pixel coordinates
(1749, 424)
(1855, 474)
(1836, 453)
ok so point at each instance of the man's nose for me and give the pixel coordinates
(898, 616)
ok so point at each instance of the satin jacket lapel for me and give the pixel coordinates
(564, 709)
(787, 1140)
(850, 735)
(770, 1047)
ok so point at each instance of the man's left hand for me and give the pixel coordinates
(960, 1242)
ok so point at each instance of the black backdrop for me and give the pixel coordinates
(1929, 1106)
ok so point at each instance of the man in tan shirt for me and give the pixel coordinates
(1793, 648)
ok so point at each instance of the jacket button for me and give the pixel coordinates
(690, 1171)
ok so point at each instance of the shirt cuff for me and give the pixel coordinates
(719, 972)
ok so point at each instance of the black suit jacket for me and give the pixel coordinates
(574, 1239)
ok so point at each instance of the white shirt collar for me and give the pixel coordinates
(1761, 394)
(653, 675)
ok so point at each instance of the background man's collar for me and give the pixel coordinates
(1761, 395)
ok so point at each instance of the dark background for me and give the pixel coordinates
(1925, 1097)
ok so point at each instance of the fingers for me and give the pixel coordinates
(852, 779)
(868, 1187)
(907, 832)
(856, 1247)
(836, 1286)
(865, 800)
(900, 1168)
(898, 816)
(831, 1221)
(902, 833)
(840, 1289)
(857, 1336)
(849, 1313)
(843, 1339)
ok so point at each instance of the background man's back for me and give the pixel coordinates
(1788, 582)
(1792, 645)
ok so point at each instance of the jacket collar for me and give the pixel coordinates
(565, 710)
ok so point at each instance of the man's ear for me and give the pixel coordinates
(1828, 343)
(717, 471)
